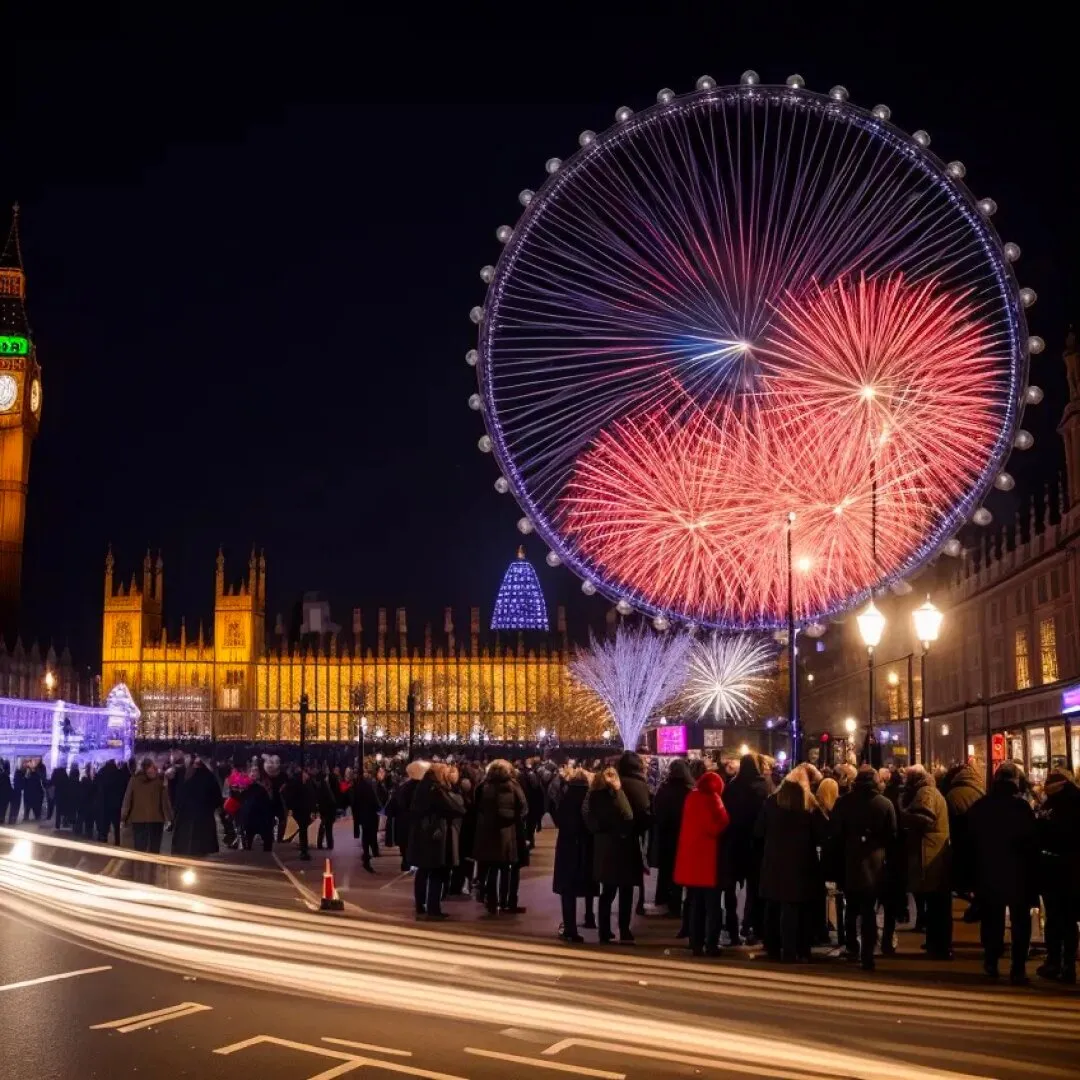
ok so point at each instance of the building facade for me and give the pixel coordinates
(20, 415)
(238, 683)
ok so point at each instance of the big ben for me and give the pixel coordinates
(20, 414)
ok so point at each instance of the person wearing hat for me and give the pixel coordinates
(1058, 828)
(1002, 829)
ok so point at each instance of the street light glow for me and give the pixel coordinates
(927, 620)
(850, 724)
(894, 679)
(871, 625)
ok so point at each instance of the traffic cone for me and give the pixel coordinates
(330, 899)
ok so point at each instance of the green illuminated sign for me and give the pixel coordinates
(13, 345)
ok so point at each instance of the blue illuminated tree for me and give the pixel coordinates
(519, 604)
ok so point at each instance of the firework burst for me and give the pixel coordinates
(727, 676)
(633, 674)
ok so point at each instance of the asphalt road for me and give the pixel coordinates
(208, 987)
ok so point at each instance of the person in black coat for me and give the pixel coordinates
(431, 838)
(365, 814)
(740, 855)
(533, 786)
(667, 817)
(5, 792)
(572, 875)
(617, 862)
(461, 872)
(195, 812)
(1002, 830)
(110, 784)
(1058, 825)
(631, 770)
(500, 845)
(789, 826)
(85, 814)
(328, 797)
(34, 791)
(302, 799)
(865, 823)
(60, 807)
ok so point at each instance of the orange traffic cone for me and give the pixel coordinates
(330, 899)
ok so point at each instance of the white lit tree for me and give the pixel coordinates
(633, 674)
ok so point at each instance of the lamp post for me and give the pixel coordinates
(793, 682)
(927, 621)
(871, 627)
(303, 726)
(410, 704)
(362, 736)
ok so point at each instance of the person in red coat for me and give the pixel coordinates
(704, 820)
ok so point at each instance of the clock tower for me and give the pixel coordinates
(20, 413)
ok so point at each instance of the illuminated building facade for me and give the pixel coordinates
(20, 414)
(237, 684)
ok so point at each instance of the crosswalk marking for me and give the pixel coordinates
(149, 1019)
(367, 1046)
(539, 1063)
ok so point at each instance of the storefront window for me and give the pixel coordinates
(1048, 650)
(1037, 757)
(1058, 757)
(1023, 671)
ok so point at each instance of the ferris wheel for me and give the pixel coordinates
(748, 335)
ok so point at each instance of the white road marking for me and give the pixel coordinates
(54, 978)
(555, 1066)
(149, 1019)
(309, 898)
(367, 1046)
(354, 1060)
(393, 881)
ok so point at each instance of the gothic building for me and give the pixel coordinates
(239, 682)
(20, 414)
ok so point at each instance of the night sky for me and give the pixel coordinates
(251, 254)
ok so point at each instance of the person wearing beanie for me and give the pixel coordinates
(1002, 831)
(1058, 830)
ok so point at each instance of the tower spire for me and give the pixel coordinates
(11, 256)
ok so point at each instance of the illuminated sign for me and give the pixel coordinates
(14, 345)
(713, 738)
(1070, 700)
(671, 739)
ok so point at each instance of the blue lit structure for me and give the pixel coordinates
(520, 604)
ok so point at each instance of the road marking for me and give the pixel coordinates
(749, 1068)
(354, 1061)
(367, 1046)
(149, 1019)
(54, 978)
(555, 1066)
(393, 881)
(309, 898)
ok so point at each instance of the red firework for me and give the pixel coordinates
(875, 386)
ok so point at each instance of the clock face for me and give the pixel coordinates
(35, 397)
(9, 391)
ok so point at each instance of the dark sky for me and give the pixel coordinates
(251, 250)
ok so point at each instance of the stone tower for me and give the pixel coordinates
(20, 414)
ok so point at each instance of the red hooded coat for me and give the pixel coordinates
(704, 819)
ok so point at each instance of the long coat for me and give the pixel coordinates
(1002, 830)
(744, 797)
(609, 817)
(789, 865)
(574, 845)
(195, 824)
(433, 806)
(500, 817)
(1059, 838)
(667, 816)
(631, 771)
(965, 789)
(704, 819)
(866, 830)
(925, 818)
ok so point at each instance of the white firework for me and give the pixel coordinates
(727, 675)
(633, 675)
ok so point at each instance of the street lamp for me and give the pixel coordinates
(363, 736)
(50, 684)
(927, 621)
(793, 706)
(871, 627)
(850, 724)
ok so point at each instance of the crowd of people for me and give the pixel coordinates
(739, 852)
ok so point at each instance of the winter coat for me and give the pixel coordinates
(1002, 830)
(574, 844)
(467, 839)
(790, 831)
(1059, 839)
(433, 807)
(609, 817)
(965, 789)
(866, 829)
(704, 819)
(831, 849)
(925, 818)
(197, 801)
(744, 797)
(500, 815)
(5, 794)
(327, 799)
(365, 802)
(667, 815)
(301, 797)
(146, 801)
(533, 787)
